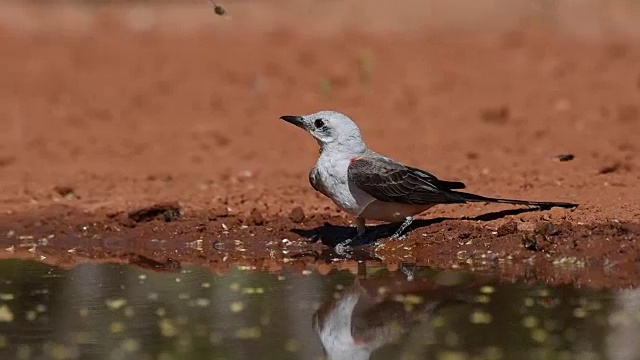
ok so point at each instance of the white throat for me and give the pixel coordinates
(343, 149)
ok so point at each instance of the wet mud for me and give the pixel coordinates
(602, 255)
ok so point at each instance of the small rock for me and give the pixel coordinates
(232, 222)
(498, 115)
(558, 213)
(221, 212)
(607, 169)
(472, 155)
(114, 214)
(171, 214)
(564, 157)
(167, 211)
(546, 228)
(169, 265)
(526, 226)
(66, 192)
(256, 217)
(508, 228)
(297, 215)
(219, 10)
(529, 242)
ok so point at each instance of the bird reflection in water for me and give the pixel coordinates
(374, 312)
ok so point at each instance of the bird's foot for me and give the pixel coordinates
(397, 236)
(378, 243)
(344, 248)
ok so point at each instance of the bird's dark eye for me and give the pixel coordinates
(318, 123)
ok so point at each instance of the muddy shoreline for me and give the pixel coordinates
(593, 255)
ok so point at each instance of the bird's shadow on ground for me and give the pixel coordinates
(331, 235)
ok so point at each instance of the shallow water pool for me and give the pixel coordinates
(110, 311)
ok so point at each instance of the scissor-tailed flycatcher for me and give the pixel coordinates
(370, 186)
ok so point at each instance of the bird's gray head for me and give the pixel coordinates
(331, 129)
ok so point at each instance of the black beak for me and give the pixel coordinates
(295, 120)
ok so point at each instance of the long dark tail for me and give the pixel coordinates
(541, 204)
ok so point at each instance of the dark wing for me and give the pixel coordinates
(390, 181)
(449, 185)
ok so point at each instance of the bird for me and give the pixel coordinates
(354, 324)
(361, 320)
(371, 186)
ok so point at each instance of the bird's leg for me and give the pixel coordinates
(398, 234)
(361, 227)
(343, 246)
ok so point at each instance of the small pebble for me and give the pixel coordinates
(256, 217)
(558, 213)
(219, 10)
(607, 169)
(220, 212)
(66, 192)
(498, 115)
(508, 228)
(564, 157)
(297, 215)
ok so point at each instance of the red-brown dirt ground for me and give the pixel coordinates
(100, 120)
